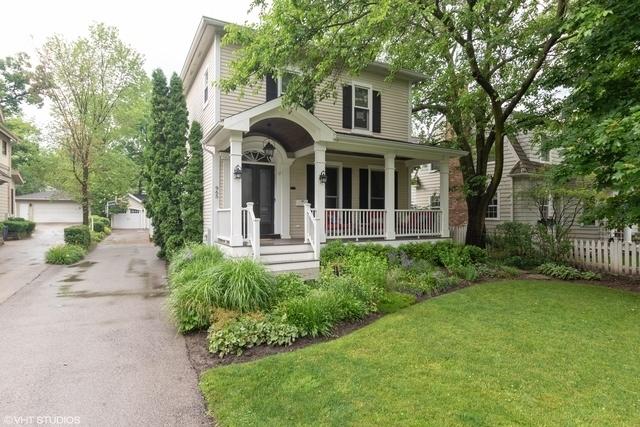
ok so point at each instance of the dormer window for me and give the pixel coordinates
(361, 107)
(283, 81)
(205, 96)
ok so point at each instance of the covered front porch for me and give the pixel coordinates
(283, 176)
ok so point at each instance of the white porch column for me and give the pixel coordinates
(215, 196)
(235, 188)
(319, 152)
(389, 195)
(444, 196)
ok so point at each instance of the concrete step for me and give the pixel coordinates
(286, 257)
(305, 273)
(285, 267)
(277, 249)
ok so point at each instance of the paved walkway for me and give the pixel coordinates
(93, 341)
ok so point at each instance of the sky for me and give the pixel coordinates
(160, 30)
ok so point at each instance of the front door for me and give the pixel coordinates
(258, 187)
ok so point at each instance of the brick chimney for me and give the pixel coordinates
(457, 204)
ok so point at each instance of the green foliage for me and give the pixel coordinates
(190, 261)
(513, 238)
(97, 236)
(192, 197)
(28, 157)
(565, 272)
(245, 285)
(467, 272)
(65, 254)
(337, 250)
(290, 285)
(246, 332)
(19, 227)
(192, 304)
(17, 84)
(78, 235)
(395, 301)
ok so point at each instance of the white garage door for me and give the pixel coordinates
(43, 211)
(134, 218)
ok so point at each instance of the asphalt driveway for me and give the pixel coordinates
(93, 341)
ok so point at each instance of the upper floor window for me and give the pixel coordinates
(434, 201)
(545, 155)
(283, 81)
(492, 208)
(206, 87)
(361, 107)
(4, 148)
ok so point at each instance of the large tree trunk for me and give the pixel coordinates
(476, 232)
(84, 196)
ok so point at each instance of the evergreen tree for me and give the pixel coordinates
(154, 158)
(192, 196)
(174, 163)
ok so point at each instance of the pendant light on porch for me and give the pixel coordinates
(237, 172)
(268, 149)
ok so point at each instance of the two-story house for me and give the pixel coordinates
(523, 161)
(9, 177)
(280, 182)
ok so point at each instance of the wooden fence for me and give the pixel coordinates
(612, 257)
(458, 233)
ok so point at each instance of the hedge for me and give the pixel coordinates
(78, 235)
(18, 228)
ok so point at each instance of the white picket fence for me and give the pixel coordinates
(458, 233)
(612, 257)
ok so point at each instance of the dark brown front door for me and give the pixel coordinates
(258, 187)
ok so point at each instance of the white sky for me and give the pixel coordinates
(160, 31)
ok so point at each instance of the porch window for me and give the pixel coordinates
(206, 87)
(434, 201)
(492, 208)
(332, 198)
(361, 108)
(376, 200)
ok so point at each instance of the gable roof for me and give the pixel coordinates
(51, 195)
(524, 166)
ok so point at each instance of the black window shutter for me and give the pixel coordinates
(377, 115)
(272, 88)
(347, 107)
(395, 191)
(346, 188)
(364, 188)
(311, 189)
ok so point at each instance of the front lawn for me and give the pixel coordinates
(506, 353)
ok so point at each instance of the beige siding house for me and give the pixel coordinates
(9, 177)
(279, 183)
(522, 160)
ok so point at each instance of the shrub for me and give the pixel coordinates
(97, 219)
(98, 227)
(565, 272)
(523, 263)
(467, 272)
(336, 251)
(246, 285)
(77, 235)
(313, 314)
(290, 285)
(106, 230)
(19, 228)
(65, 254)
(496, 271)
(474, 254)
(192, 303)
(246, 332)
(394, 301)
(97, 236)
(190, 261)
(513, 239)
(366, 269)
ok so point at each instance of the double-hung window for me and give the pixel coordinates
(361, 107)
(492, 208)
(283, 81)
(205, 94)
(434, 201)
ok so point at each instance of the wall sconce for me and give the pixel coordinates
(323, 177)
(237, 172)
(268, 149)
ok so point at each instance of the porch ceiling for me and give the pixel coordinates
(289, 134)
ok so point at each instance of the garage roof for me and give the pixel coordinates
(51, 195)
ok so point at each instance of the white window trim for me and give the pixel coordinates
(279, 79)
(546, 162)
(431, 196)
(335, 165)
(205, 76)
(369, 87)
(497, 218)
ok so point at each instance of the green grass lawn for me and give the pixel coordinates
(508, 353)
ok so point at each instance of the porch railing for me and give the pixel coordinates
(414, 222)
(312, 230)
(251, 229)
(355, 223)
(224, 224)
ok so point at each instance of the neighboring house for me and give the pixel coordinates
(51, 206)
(9, 177)
(522, 160)
(341, 172)
(135, 216)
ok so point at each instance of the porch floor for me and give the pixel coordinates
(300, 241)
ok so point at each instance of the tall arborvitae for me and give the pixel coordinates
(192, 196)
(176, 156)
(154, 157)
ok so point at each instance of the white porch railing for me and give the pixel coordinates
(251, 229)
(311, 230)
(224, 224)
(413, 222)
(355, 223)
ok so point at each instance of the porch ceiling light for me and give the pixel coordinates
(323, 177)
(237, 172)
(268, 149)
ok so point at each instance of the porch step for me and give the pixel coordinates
(278, 249)
(295, 258)
(295, 267)
(279, 257)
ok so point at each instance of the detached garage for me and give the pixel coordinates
(49, 207)
(135, 217)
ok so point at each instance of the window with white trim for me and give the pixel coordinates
(434, 201)
(492, 208)
(361, 107)
(546, 208)
(205, 94)
(134, 211)
(283, 81)
(545, 155)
